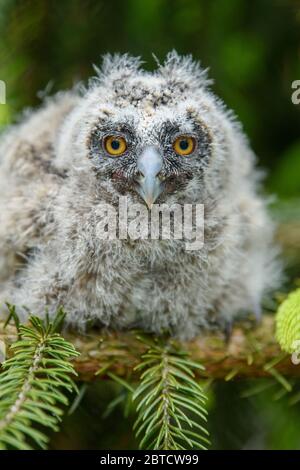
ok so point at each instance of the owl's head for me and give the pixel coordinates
(154, 136)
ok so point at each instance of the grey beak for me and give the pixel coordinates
(149, 164)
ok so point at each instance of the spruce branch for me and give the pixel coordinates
(171, 403)
(34, 382)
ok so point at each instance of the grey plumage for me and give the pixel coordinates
(54, 174)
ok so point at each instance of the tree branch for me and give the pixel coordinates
(250, 352)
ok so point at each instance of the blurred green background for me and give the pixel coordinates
(253, 52)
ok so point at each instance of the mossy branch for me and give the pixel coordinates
(249, 352)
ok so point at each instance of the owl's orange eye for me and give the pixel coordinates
(115, 145)
(184, 145)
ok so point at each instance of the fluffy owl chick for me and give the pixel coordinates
(161, 138)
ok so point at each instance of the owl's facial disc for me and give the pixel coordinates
(149, 165)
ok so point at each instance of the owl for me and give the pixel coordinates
(156, 138)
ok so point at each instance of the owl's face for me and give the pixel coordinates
(149, 151)
(151, 136)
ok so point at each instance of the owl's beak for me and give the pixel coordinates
(149, 164)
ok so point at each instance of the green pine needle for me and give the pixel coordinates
(34, 383)
(172, 406)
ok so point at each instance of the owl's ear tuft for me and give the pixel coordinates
(184, 70)
(117, 66)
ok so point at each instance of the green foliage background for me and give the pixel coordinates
(253, 52)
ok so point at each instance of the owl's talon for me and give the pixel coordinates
(257, 310)
(227, 330)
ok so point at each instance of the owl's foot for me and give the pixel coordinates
(257, 311)
(227, 330)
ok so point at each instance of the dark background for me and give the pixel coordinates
(253, 51)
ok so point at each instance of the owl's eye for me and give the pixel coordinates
(115, 145)
(184, 145)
